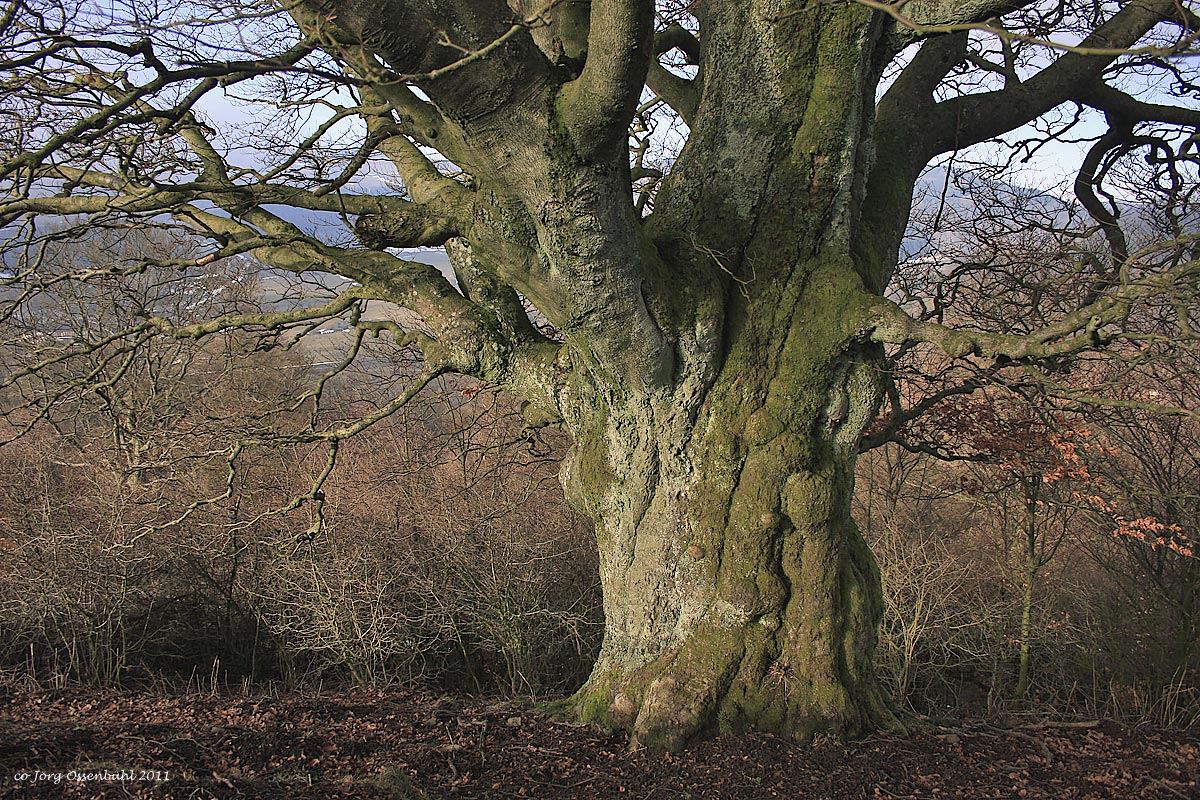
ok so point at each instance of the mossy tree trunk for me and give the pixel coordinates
(738, 591)
(717, 373)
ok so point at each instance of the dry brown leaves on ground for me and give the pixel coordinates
(420, 745)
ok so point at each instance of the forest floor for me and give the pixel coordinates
(417, 745)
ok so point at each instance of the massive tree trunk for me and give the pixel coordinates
(718, 367)
(738, 591)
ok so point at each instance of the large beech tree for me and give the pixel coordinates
(721, 323)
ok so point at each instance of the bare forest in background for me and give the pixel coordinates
(132, 549)
(1030, 553)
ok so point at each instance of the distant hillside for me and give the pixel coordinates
(945, 201)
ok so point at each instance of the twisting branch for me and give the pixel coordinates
(1086, 328)
(970, 119)
(1085, 183)
(901, 416)
(598, 105)
(681, 94)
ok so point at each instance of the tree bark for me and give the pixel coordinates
(738, 591)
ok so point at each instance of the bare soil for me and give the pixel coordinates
(419, 745)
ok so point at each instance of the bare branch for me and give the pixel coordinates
(1087, 328)
(600, 102)
(964, 121)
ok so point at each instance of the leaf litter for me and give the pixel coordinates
(421, 745)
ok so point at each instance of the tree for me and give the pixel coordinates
(720, 341)
(1028, 466)
(1151, 465)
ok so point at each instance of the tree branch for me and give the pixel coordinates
(598, 105)
(1085, 182)
(266, 320)
(919, 19)
(677, 37)
(679, 93)
(1084, 329)
(473, 58)
(901, 115)
(967, 120)
(902, 416)
(1112, 101)
(412, 226)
